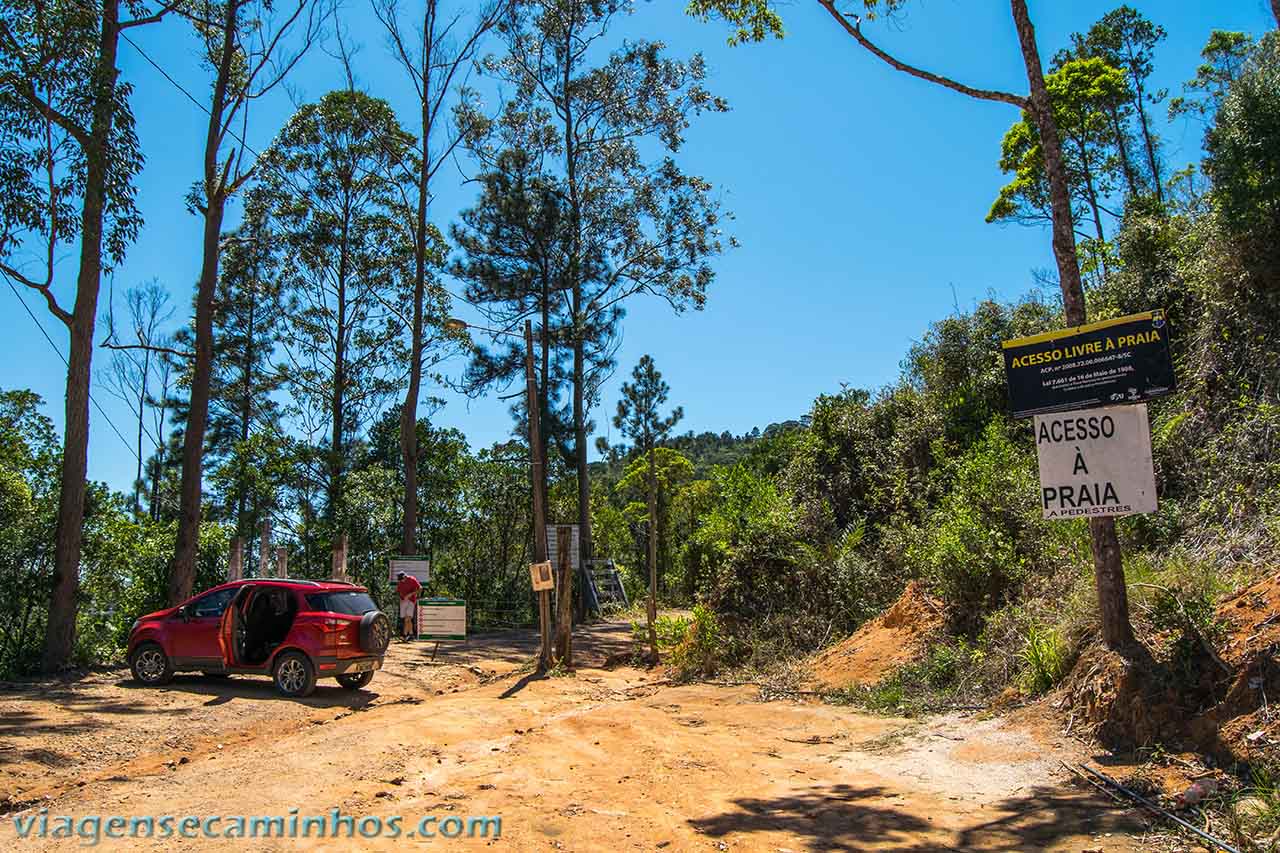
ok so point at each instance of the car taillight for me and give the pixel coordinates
(332, 625)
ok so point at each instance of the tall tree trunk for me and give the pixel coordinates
(579, 320)
(409, 410)
(182, 571)
(1148, 141)
(1100, 251)
(1122, 147)
(337, 407)
(246, 397)
(1113, 601)
(60, 630)
(142, 413)
(652, 609)
(1275, 10)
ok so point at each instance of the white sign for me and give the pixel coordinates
(553, 546)
(442, 619)
(1096, 462)
(414, 567)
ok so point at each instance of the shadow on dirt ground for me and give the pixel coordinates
(594, 646)
(850, 818)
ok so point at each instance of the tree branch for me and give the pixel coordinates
(27, 91)
(45, 289)
(855, 29)
(107, 344)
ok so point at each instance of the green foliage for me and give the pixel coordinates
(1044, 659)
(981, 541)
(704, 647)
(1224, 57)
(1243, 150)
(335, 176)
(695, 646)
(748, 543)
(29, 468)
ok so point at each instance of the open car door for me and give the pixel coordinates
(231, 628)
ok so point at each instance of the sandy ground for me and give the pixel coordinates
(600, 760)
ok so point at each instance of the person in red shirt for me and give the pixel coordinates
(407, 588)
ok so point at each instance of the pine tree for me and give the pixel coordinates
(639, 419)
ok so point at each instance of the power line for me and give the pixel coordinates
(94, 400)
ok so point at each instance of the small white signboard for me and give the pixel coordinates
(1095, 462)
(414, 567)
(442, 619)
(553, 545)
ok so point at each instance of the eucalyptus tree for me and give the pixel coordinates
(68, 160)
(635, 223)
(755, 20)
(435, 57)
(338, 196)
(639, 419)
(249, 47)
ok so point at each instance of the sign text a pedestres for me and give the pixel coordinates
(1126, 360)
(1095, 462)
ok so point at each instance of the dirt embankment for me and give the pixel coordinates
(897, 637)
(1213, 700)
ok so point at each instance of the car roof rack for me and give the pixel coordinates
(298, 581)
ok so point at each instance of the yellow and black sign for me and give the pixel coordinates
(1125, 360)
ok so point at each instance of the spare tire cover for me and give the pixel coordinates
(375, 632)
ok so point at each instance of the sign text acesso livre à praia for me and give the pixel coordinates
(1125, 360)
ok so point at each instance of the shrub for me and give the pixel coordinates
(704, 648)
(978, 545)
(1044, 659)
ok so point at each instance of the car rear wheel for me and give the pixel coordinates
(356, 680)
(150, 665)
(295, 675)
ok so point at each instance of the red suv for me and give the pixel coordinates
(294, 630)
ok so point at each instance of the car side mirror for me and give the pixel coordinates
(184, 614)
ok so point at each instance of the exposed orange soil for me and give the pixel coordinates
(897, 637)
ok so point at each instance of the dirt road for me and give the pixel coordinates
(602, 760)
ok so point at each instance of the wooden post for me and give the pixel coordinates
(264, 551)
(282, 562)
(340, 559)
(537, 474)
(235, 564)
(564, 595)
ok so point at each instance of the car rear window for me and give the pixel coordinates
(352, 603)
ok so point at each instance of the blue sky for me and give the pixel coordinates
(859, 196)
